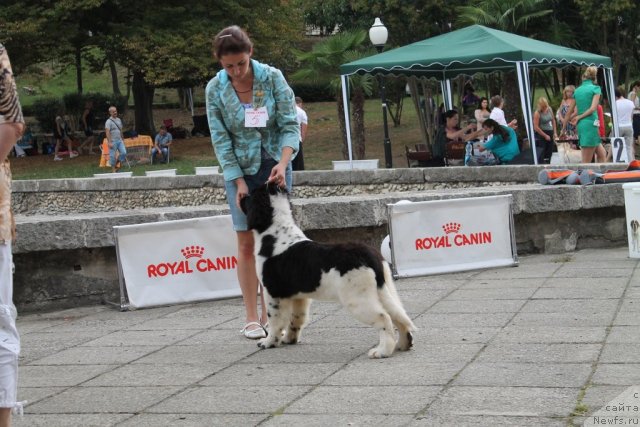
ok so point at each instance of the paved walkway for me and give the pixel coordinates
(524, 346)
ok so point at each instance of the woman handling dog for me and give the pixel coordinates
(252, 117)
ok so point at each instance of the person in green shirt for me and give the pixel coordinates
(587, 97)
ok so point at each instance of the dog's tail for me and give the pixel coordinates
(392, 303)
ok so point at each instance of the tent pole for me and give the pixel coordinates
(445, 86)
(608, 77)
(347, 124)
(525, 99)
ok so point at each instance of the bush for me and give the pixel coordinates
(313, 92)
(45, 111)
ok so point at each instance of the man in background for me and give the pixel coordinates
(161, 144)
(297, 164)
(11, 128)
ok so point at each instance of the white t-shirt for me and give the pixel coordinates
(498, 115)
(635, 101)
(301, 116)
(624, 107)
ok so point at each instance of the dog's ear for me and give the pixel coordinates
(258, 209)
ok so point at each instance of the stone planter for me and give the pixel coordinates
(207, 170)
(113, 175)
(161, 172)
(357, 164)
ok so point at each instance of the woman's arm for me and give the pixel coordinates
(536, 125)
(594, 105)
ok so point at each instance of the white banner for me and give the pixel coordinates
(451, 235)
(177, 261)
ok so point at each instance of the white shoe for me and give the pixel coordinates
(57, 158)
(254, 334)
(73, 155)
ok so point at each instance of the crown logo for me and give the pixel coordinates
(451, 227)
(192, 251)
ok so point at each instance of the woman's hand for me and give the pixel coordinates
(277, 175)
(242, 191)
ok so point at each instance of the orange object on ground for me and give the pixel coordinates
(141, 141)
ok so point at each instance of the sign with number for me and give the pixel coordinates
(619, 150)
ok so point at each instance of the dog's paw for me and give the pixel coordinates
(405, 342)
(377, 353)
(268, 343)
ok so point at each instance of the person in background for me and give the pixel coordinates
(587, 98)
(301, 117)
(61, 133)
(624, 108)
(454, 133)
(254, 132)
(482, 113)
(563, 114)
(469, 100)
(113, 130)
(11, 128)
(161, 144)
(634, 96)
(504, 144)
(544, 124)
(88, 117)
(497, 112)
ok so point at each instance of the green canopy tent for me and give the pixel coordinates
(477, 49)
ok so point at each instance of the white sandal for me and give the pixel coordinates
(254, 334)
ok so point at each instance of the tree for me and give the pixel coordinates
(514, 16)
(322, 65)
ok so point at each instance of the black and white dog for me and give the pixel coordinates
(294, 270)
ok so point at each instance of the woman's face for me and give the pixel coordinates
(452, 121)
(484, 104)
(568, 93)
(237, 65)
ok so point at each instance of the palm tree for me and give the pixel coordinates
(321, 65)
(513, 16)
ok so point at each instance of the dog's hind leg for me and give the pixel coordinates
(392, 303)
(361, 299)
(299, 315)
(279, 312)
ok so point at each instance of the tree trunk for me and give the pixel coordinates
(143, 99)
(511, 96)
(78, 59)
(358, 124)
(343, 127)
(114, 76)
(415, 97)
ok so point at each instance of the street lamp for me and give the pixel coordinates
(378, 35)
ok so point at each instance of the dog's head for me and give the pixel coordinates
(257, 206)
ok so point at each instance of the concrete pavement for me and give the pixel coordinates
(543, 344)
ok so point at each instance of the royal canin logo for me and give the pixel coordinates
(188, 265)
(453, 237)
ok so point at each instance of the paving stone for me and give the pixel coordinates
(597, 396)
(617, 374)
(620, 353)
(34, 394)
(103, 400)
(251, 399)
(627, 319)
(533, 283)
(435, 320)
(49, 420)
(506, 401)
(583, 306)
(310, 353)
(41, 344)
(579, 292)
(96, 355)
(478, 306)
(454, 335)
(193, 420)
(59, 375)
(604, 273)
(137, 375)
(128, 338)
(551, 334)
(324, 420)
(387, 372)
(364, 400)
(624, 334)
(563, 319)
(273, 374)
(526, 271)
(198, 354)
(524, 374)
(582, 282)
(483, 420)
(492, 294)
(540, 353)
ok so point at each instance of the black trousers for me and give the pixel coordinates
(297, 164)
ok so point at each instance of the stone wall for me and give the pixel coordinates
(65, 253)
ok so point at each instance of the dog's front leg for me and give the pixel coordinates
(299, 316)
(279, 312)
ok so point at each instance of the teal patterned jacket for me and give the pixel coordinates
(238, 147)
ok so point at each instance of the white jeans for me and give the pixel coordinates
(9, 338)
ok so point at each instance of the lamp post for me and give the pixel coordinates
(378, 35)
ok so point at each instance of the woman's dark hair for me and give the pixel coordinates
(450, 114)
(496, 129)
(484, 98)
(231, 40)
